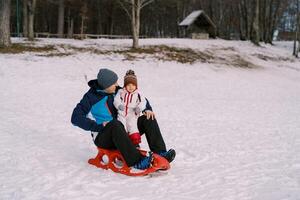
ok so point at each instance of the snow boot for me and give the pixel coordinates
(144, 163)
(168, 155)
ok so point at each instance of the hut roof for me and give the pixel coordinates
(191, 18)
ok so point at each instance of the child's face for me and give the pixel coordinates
(130, 87)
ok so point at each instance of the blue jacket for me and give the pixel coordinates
(95, 107)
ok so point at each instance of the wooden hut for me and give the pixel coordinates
(198, 25)
(285, 36)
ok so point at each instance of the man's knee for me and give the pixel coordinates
(117, 128)
(143, 117)
(144, 122)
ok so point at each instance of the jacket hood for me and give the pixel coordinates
(94, 84)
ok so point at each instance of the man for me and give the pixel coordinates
(95, 112)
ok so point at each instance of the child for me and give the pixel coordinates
(130, 103)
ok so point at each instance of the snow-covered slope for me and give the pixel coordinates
(236, 130)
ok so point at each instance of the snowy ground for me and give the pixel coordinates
(236, 130)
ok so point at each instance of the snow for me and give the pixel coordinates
(191, 18)
(235, 130)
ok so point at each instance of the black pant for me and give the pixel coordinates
(114, 136)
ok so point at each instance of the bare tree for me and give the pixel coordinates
(5, 6)
(295, 50)
(99, 20)
(31, 9)
(61, 18)
(298, 25)
(134, 15)
(244, 20)
(25, 18)
(255, 36)
(70, 24)
(83, 14)
(234, 18)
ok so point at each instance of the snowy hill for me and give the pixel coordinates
(231, 111)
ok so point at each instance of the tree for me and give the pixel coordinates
(295, 50)
(25, 18)
(83, 14)
(70, 24)
(5, 7)
(31, 4)
(243, 27)
(271, 13)
(99, 20)
(255, 37)
(136, 7)
(233, 18)
(61, 18)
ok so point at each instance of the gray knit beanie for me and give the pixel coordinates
(106, 78)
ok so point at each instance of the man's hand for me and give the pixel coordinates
(104, 124)
(149, 114)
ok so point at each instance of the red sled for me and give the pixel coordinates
(112, 159)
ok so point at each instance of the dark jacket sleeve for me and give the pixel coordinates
(148, 106)
(79, 116)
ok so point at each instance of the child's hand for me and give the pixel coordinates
(121, 107)
(137, 110)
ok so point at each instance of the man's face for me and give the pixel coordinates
(111, 89)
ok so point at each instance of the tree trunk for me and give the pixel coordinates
(241, 23)
(298, 25)
(220, 20)
(295, 51)
(83, 14)
(5, 7)
(70, 24)
(255, 29)
(71, 29)
(298, 16)
(244, 20)
(31, 10)
(25, 18)
(110, 29)
(178, 31)
(61, 18)
(269, 22)
(138, 22)
(263, 20)
(99, 20)
(134, 22)
(82, 27)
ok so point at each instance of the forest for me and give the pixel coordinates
(255, 20)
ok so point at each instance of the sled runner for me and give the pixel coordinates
(112, 159)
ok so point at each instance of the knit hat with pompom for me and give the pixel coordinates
(130, 77)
